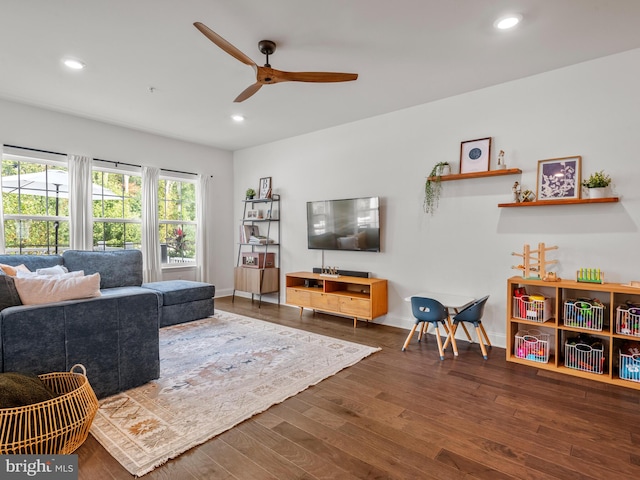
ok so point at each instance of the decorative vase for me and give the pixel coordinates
(597, 192)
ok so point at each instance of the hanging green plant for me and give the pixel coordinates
(433, 188)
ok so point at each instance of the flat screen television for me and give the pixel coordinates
(350, 224)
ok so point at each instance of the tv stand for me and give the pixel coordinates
(354, 297)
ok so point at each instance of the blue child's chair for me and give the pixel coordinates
(473, 314)
(427, 310)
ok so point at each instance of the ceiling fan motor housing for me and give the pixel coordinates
(267, 47)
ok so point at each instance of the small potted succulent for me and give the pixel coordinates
(250, 193)
(597, 184)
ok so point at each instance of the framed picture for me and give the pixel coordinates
(475, 155)
(253, 214)
(559, 178)
(248, 231)
(264, 191)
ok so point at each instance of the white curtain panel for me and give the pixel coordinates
(151, 267)
(203, 249)
(80, 203)
(1, 211)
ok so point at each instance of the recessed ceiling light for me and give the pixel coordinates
(237, 118)
(507, 22)
(74, 64)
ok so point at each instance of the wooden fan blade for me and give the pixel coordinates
(319, 77)
(224, 45)
(249, 91)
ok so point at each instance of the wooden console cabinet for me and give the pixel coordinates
(257, 281)
(541, 332)
(358, 298)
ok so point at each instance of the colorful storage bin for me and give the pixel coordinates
(587, 358)
(628, 320)
(584, 313)
(535, 308)
(532, 345)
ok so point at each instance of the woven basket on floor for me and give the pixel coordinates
(56, 426)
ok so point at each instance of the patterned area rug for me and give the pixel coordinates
(214, 373)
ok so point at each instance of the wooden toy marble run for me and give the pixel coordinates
(534, 262)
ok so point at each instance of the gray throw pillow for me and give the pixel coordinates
(8, 294)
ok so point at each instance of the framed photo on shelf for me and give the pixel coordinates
(475, 155)
(255, 214)
(559, 178)
(248, 231)
(265, 188)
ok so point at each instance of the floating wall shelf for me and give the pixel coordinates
(490, 173)
(545, 203)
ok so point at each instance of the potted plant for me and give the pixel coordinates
(433, 186)
(250, 193)
(597, 184)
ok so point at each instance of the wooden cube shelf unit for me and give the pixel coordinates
(355, 297)
(548, 325)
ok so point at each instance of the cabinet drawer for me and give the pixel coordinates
(322, 301)
(297, 297)
(355, 306)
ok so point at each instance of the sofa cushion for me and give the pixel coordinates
(120, 268)
(32, 262)
(175, 292)
(46, 289)
(8, 294)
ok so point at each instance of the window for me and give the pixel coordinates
(117, 209)
(177, 217)
(35, 196)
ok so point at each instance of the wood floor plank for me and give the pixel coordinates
(475, 469)
(397, 415)
(330, 453)
(235, 462)
(304, 458)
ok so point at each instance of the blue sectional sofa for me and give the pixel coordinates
(115, 335)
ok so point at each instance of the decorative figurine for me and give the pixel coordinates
(501, 164)
(516, 189)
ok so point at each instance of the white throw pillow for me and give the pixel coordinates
(55, 270)
(47, 289)
(77, 273)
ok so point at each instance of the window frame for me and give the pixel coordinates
(98, 166)
(51, 161)
(179, 223)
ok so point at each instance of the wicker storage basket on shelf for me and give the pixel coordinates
(56, 426)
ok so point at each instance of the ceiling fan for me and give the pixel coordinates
(267, 75)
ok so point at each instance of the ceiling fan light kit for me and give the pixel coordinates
(267, 75)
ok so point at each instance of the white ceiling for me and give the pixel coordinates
(406, 52)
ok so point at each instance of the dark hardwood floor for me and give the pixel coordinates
(408, 415)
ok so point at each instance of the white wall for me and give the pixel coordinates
(591, 109)
(32, 127)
